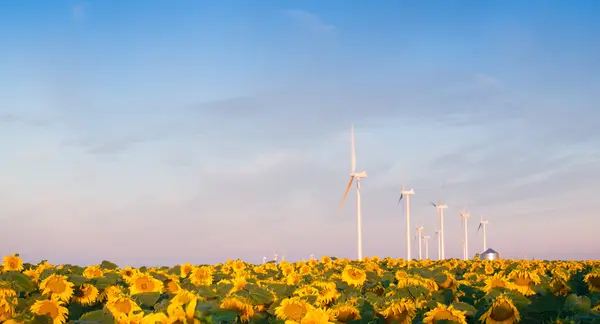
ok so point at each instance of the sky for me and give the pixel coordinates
(161, 132)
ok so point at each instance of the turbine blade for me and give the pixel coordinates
(401, 195)
(434, 205)
(478, 228)
(353, 156)
(346, 193)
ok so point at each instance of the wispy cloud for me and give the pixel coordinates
(310, 20)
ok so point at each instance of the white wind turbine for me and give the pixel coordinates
(482, 226)
(440, 209)
(357, 177)
(426, 240)
(418, 236)
(407, 193)
(437, 236)
(464, 215)
(264, 260)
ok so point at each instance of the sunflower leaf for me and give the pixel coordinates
(20, 282)
(77, 280)
(107, 265)
(224, 316)
(99, 316)
(147, 299)
(465, 307)
(578, 304)
(259, 295)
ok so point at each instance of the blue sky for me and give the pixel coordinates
(160, 132)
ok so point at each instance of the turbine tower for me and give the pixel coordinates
(465, 216)
(437, 236)
(482, 226)
(355, 176)
(426, 240)
(418, 236)
(407, 193)
(440, 209)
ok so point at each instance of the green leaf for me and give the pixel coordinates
(578, 304)
(77, 279)
(465, 307)
(147, 299)
(224, 315)
(107, 265)
(20, 282)
(206, 292)
(259, 295)
(100, 316)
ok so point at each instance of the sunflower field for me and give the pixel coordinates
(316, 291)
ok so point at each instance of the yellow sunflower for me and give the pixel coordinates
(345, 312)
(155, 318)
(57, 286)
(12, 263)
(292, 309)
(238, 305)
(51, 307)
(496, 281)
(316, 316)
(86, 294)
(201, 276)
(93, 271)
(592, 279)
(502, 311)
(444, 313)
(177, 313)
(524, 281)
(353, 276)
(401, 311)
(122, 305)
(144, 282)
(185, 269)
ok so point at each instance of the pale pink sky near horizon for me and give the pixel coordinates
(160, 142)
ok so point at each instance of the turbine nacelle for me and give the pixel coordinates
(359, 175)
(407, 192)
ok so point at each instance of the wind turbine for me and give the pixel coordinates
(275, 257)
(418, 237)
(426, 240)
(312, 256)
(437, 236)
(264, 260)
(407, 193)
(355, 176)
(483, 225)
(465, 216)
(440, 209)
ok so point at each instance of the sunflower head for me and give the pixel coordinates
(143, 283)
(51, 307)
(445, 313)
(12, 262)
(592, 279)
(292, 309)
(354, 276)
(502, 311)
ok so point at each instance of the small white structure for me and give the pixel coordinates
(489, 254)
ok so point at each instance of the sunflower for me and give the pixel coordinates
(496, 281)
(201, 276)
(238, 266)
(239, 282)
(86, 294)
(592, 279)
(172, 285)
(502, 311)
(57, 286)
(93, 271)
(345, 312)
(524, 281)
(12, 263)
(449, 282)
(127, 273)
(292, 309)
(51, 307)
(443, 313)
(292, 279)
(144, 282)
(238, 305)
(184, 297)
(154, 318)
(177, 313)
(559, 286)
(401, 311)
(316, 316)
(353, 276)
(110, 292)
(122, 305)
(185, 269)
(31, 273)
(7, 307)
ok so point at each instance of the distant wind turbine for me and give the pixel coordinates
(426, 240)
(465, 216)
(440, 209)
(418, 236)
(355, 176)
(437, 236)
(407, 193)
(275, 256)
(264, 260)
(482, 226)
